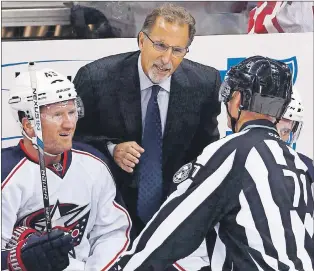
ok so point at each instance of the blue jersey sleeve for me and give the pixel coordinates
(10, 157)
(309, 163)
(88, 148)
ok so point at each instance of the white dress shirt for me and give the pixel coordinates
(146, 91)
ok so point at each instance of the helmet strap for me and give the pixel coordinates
(33, 140)
(233, 120)
(276, 122)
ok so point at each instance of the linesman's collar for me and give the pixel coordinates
(261, 123)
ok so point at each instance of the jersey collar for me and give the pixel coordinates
(260, 123)
(59, 169)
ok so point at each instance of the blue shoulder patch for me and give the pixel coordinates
(88, 148)
(10, 158)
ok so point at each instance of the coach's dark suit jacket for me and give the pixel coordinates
(110, 90)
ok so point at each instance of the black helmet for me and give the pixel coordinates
(265, 85)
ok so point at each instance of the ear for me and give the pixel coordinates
(141, 39)
(237, 99)
(27, 127)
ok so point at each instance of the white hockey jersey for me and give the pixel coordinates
(82, 196)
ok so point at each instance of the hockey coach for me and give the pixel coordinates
(152, 110)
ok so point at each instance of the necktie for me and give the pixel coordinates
(150, 165)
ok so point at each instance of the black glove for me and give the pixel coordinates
(19, 234)
(39, 252)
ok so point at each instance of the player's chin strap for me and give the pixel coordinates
(233, 120)
(276, 121)
(33, 140)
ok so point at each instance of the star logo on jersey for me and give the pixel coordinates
(67, 215)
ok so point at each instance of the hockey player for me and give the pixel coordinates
(290, 126)
(82, 193)
(247, 194)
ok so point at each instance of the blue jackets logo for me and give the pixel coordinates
(291, 62)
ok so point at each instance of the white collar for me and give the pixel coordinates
(145, 81)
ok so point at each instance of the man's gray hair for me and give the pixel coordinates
(171, 13)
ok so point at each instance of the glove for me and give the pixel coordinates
(38, 252)
(19, 234)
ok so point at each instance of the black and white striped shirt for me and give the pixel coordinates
(249, 195)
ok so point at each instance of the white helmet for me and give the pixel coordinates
(295, 113)
(295, 110)
(52, 87)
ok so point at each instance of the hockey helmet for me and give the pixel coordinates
(265, 85)
(294, 113)
(295, 109)
(52, 87)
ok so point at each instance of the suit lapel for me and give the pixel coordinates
(130, 98)
(178, 103)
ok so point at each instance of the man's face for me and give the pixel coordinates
(284, 127)
(159, 65)
(58, 125)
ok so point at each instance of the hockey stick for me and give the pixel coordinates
(40, 145)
